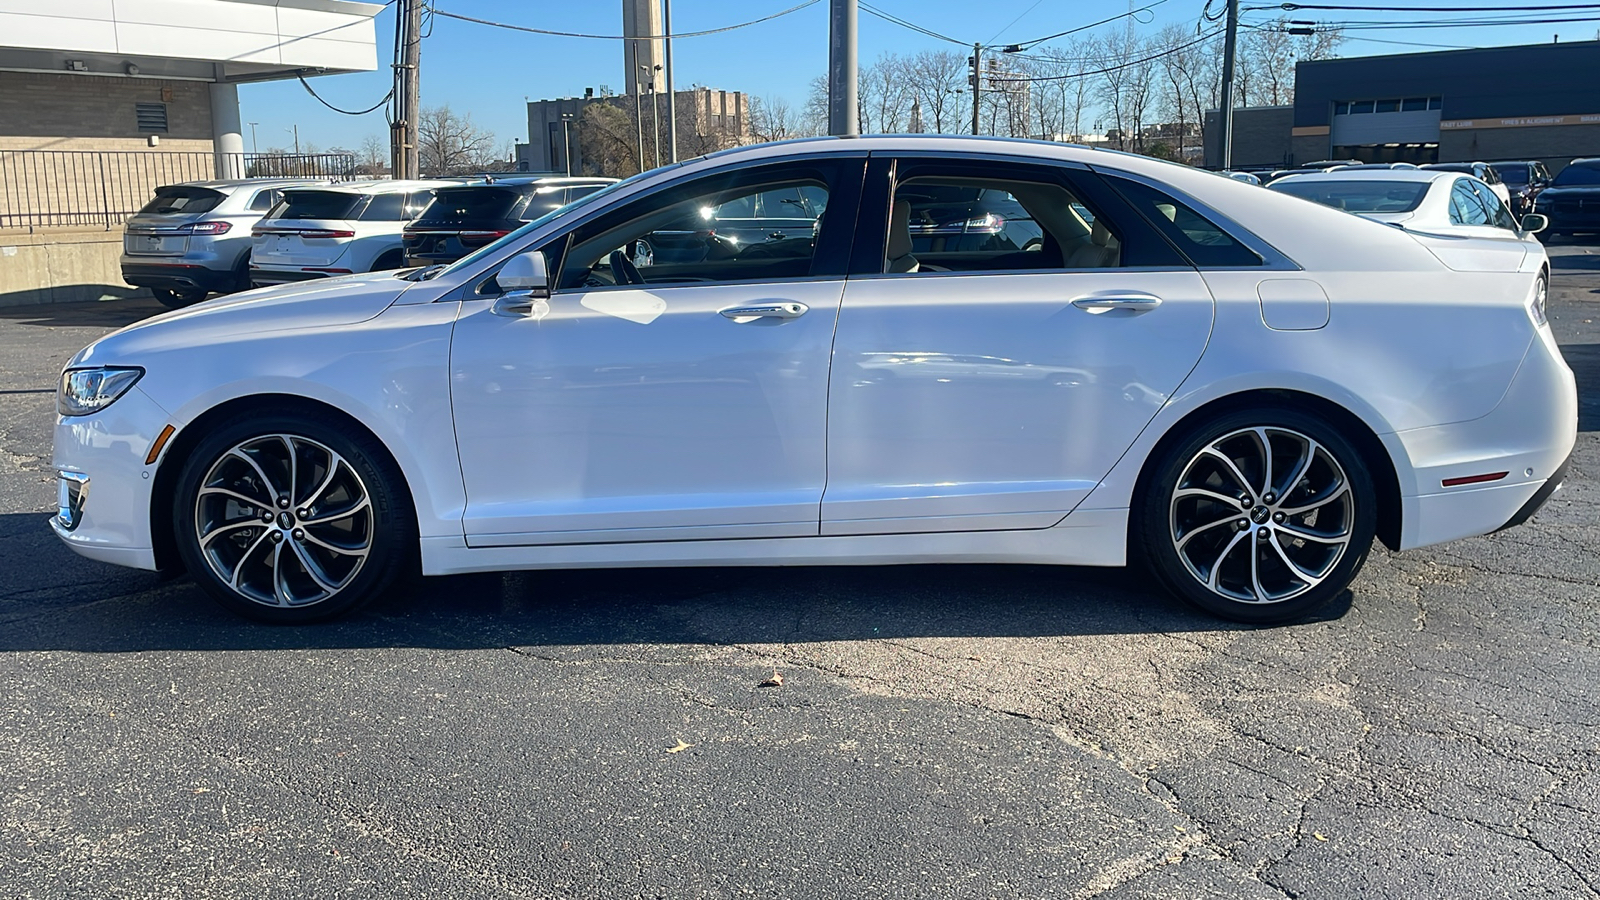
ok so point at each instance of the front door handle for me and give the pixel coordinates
(1138, 301)
(785, 310)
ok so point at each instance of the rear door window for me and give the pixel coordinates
(265, 199)
(182, 199)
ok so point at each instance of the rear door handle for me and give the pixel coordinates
(785, 310)
(1137, 301)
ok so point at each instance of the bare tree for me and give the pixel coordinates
(449, 144)
(884, 101)
(814, 116)
(772, 119)
(936, 78)
(373, 158)
(606, 139)
(1271, 53)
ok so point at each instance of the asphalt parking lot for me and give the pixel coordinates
(949, 732)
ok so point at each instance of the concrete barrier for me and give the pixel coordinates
(62, 265)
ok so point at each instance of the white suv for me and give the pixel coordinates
(194, 239)
(336, 230)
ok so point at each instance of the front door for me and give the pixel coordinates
(657, 396)
(991, 380)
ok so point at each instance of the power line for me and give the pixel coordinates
(1470, 9)
(904, 23)
(623, 37)
(1368, 40)
(1051, 37)
(373, 108)
(1136, 62)
(1451, 23)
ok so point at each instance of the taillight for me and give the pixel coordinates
(205, 228)
(479, 238)
(325, 233)
(988, 223)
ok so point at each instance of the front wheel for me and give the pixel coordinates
(287, 518)
(1259, 516)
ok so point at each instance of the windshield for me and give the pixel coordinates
(1512, 173)
(545, 219)
(1358, 196)
(179, 199)
(1578, 175)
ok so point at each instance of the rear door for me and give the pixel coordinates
(988, 387)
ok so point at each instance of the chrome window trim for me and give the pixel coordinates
(667, 181)
(1272, 259)
(1101, 270)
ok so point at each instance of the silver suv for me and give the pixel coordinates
(193, 239)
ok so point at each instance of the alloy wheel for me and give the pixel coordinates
(1262, 515)
(284, 521)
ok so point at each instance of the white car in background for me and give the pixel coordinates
(337, 229)
(1458, 217)
(1228, 386)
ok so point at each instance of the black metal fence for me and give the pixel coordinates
(48, 188)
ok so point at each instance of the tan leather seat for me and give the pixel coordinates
(1102, 252)
(899, 249)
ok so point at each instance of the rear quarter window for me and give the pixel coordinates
(1205, 242)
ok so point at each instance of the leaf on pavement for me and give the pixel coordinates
(680, 748)
(775, 681)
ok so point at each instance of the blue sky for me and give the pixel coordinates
(489, 71)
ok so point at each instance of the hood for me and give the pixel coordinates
(322, 303)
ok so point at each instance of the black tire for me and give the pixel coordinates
(178, 299)
(394, 259)
(330, 553)
(241, 274)
(1176, 535)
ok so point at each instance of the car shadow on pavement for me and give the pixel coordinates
(51, 599)
(1584, 360)
(113, 313)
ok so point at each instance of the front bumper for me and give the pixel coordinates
(107, 494)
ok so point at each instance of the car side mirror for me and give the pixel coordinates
(526, 274)
(1533, 223)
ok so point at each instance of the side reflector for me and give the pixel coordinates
(1474, 479)
(155, 448)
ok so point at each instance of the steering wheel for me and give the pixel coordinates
(624, 268)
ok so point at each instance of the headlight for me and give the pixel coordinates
(84, 391)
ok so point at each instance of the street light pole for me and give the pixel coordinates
(254, 147)
(672, 107)
(843, 95)
(638, 112)
(977, 79)
(566, 142)
(296, 131)
(655, 112)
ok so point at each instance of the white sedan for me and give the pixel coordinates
(1258, 387)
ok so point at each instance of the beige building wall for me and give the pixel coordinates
(55, 113)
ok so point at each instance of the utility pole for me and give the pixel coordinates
(254, 147)
(672, 103)
(977, 82)
(1225, 119)
(843, 100)
(407, 78)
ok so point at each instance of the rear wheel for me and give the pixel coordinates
(1259, 516)
(178, 298)
(394, 259)
(287, 518)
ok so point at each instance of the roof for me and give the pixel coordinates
(1363, 173)
(375, 187)
(251, 182)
